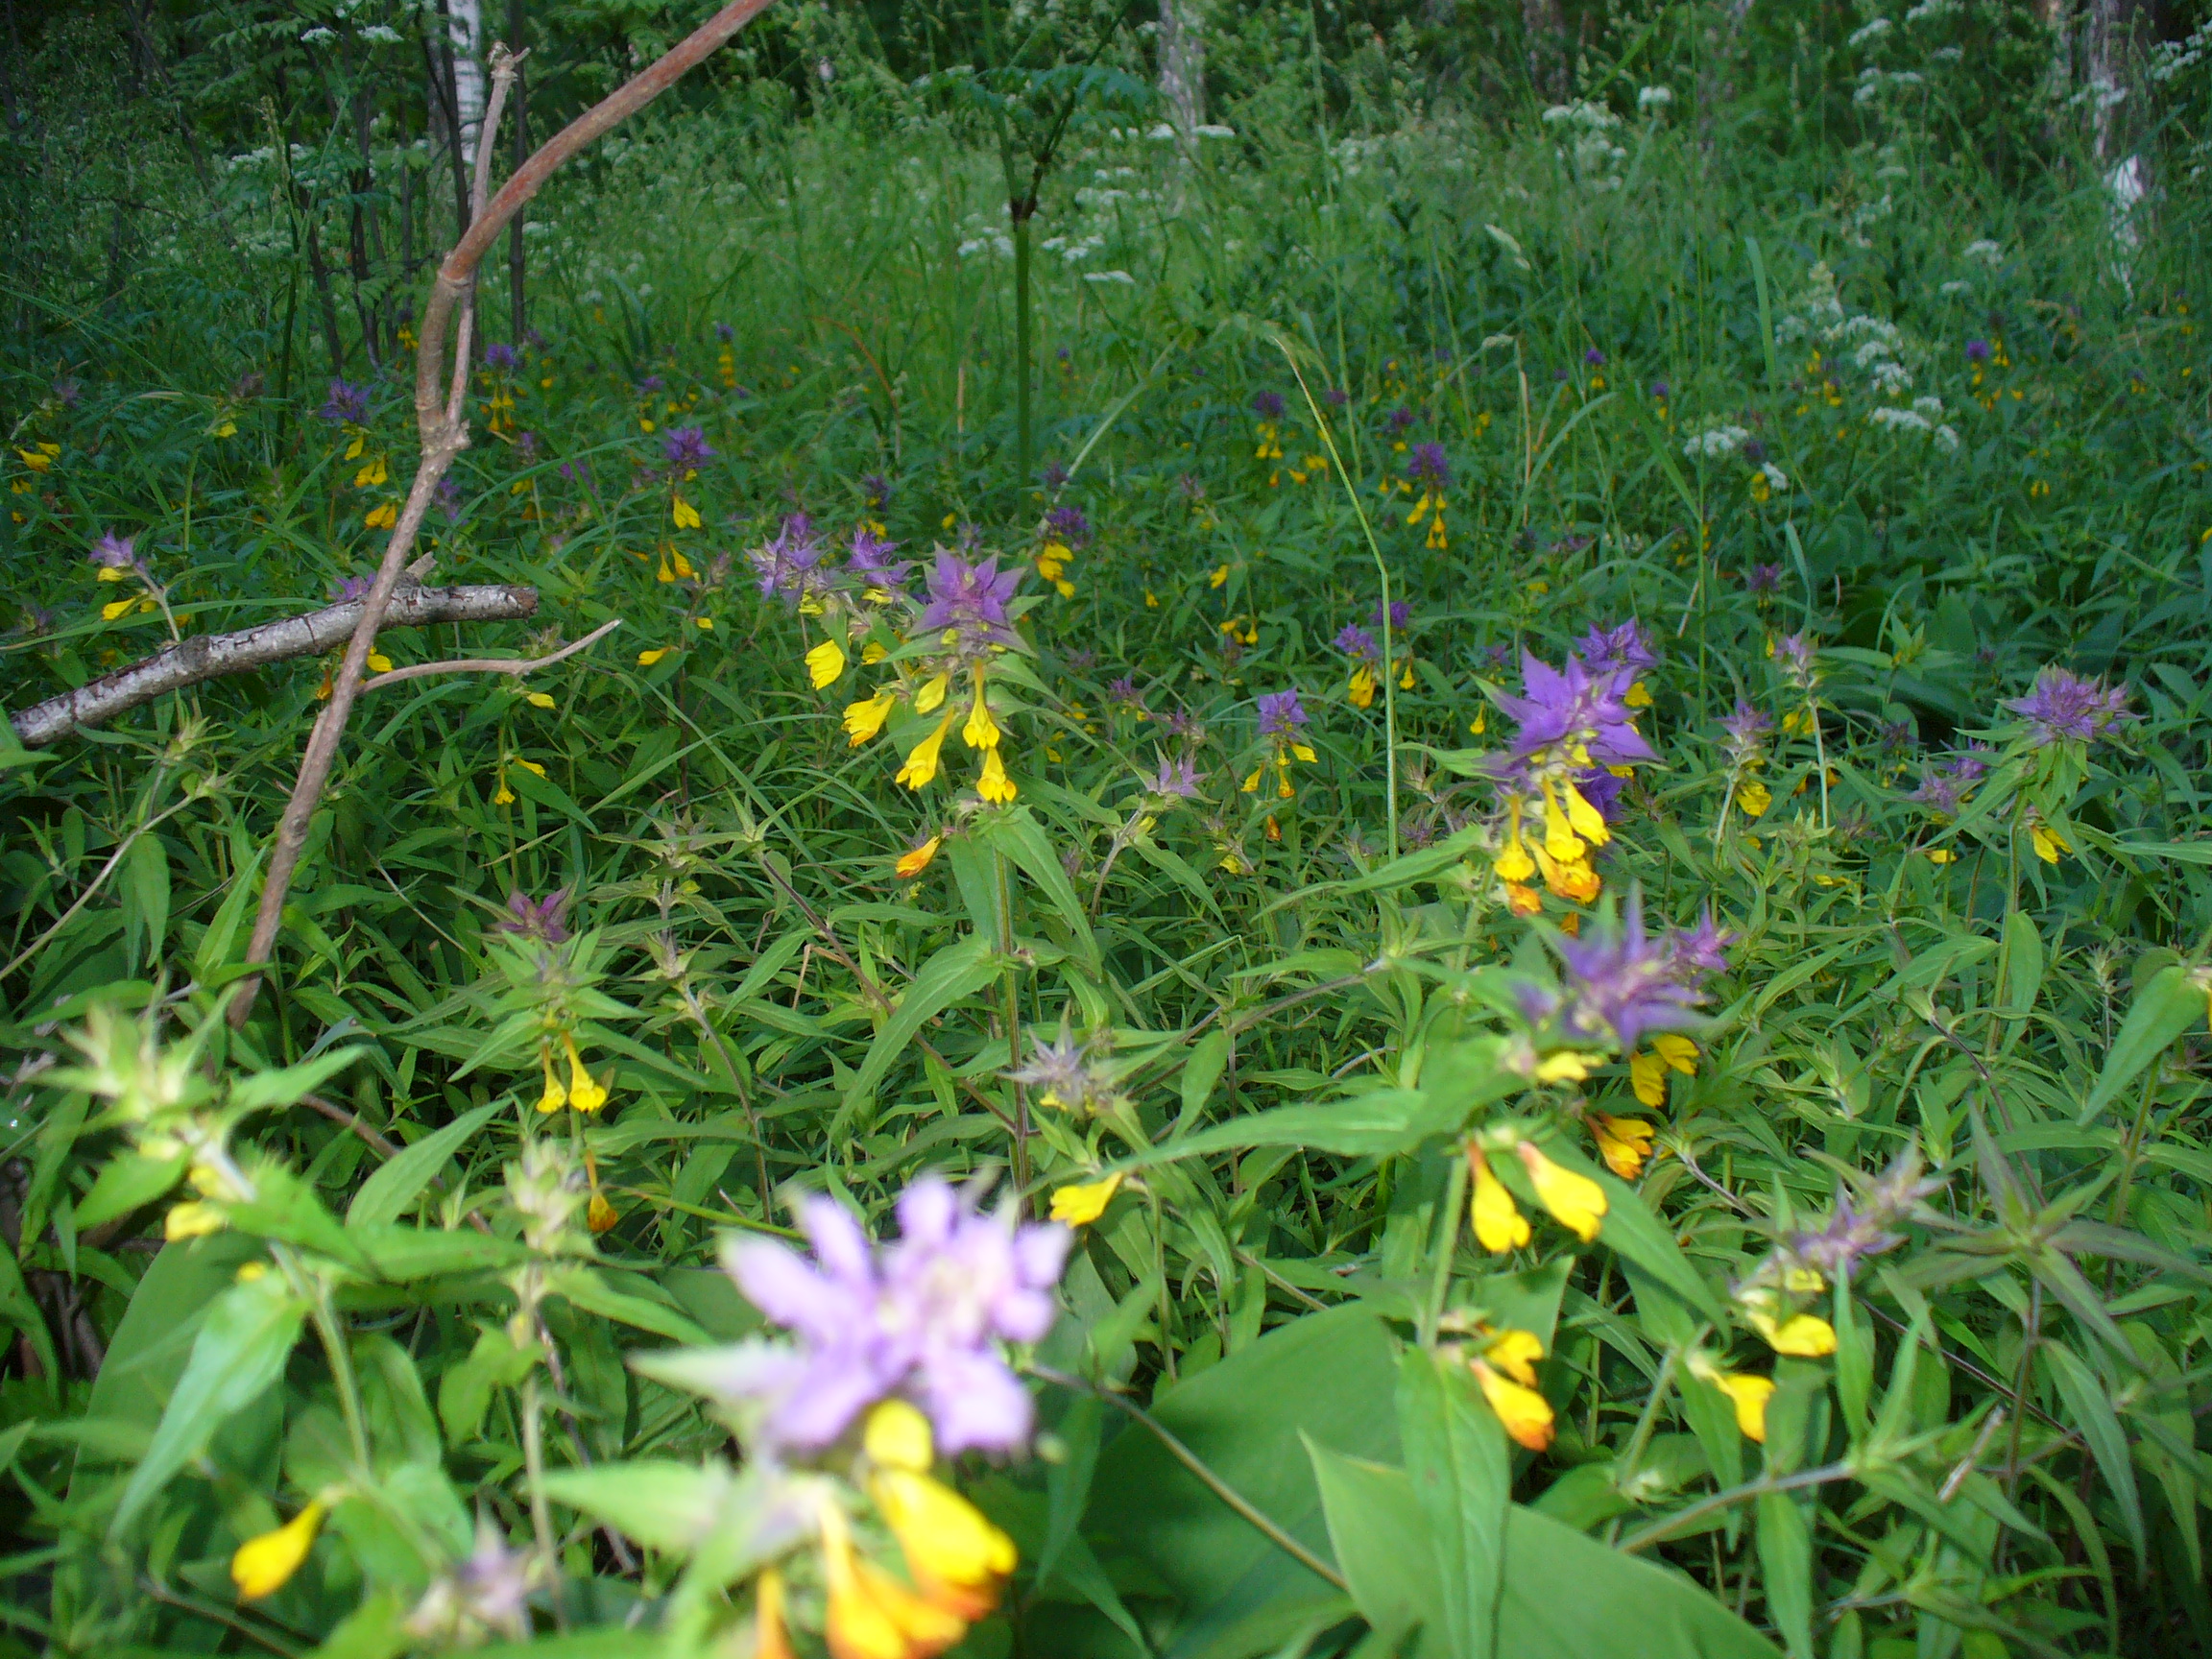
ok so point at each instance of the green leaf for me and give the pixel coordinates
(1201, 1071)
(1786, 1563)
(2023, 965)
(1456, 1455)
(1017, 834)
(959, 970)
(386, 1194)
(127, 1182)
(145, 895)
(1381, 1541)
(1630, 1228)
(2162, 1010)
(18, 1308)
(465, 1391)
(590, 1291)
(240, 1351)
(285, 1087)
(2091, 1410)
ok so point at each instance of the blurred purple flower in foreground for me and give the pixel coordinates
(1620, 984)
(2065, 708)
(922, 1317)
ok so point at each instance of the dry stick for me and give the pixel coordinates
(211, 656)
(444, 432)
(490, 665)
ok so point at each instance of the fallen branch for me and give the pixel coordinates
(490, 665)
(441, 418)
(212, 655)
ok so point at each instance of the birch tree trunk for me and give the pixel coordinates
(1182, 65)
(465, 31)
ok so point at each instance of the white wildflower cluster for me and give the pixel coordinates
(1595, 157)
(1869, 32)
(2171, 58)
(1777, 480)
(1934, 11)
(1074, 250)
(1650, 98)
(381, 34)
(1716, 441)
(1925, 416)
(1953, 288)
(1876, 347)
(1120, 278)
(985, 232)
(1986, 252)
(1902, 419)
(1873, 83)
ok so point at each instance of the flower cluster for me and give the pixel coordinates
(1282, 720)
(2065, 708)
(1429, 470)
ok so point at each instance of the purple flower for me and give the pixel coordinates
(1426, 465)
(1573, 710)
(1066, 524)
(686, 448)
(725, 333)
(1748, 728)
(1401, 615)
(1182, 723)
(353, 587)
(1176, 780)
(1336, 396)
(1970, 767)
(1080, 661)
(1355, 641)
(1621, 650)
(2065, 708)
(1620, 984)
(1398, 419)
(1793, 656)
(1938, 791)
(790, 566)
(1121, 691)
(1661, 392)
(1281, 713)
(1754, 451)
(922, 1318)
(971, 598)
(1762, 578)
(1700, 950)
(1594, 357)
(448, 498)
(875, 490)
(348, 403)
(1978, 352)
(869, 561)
(1267, 405)
(501, 358)
(578, 472)
(526, 445)
(651, 384)
(1862, 1229)
(546, 917)
(1054, 476)
(113, 552)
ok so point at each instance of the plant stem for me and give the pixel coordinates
(1020, 212)
(1447, 1242)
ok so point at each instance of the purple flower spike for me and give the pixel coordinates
(1621, 650)
(546, 917)
(969, 598)
(1426, 465)
(725, 333)
(1661, 392)
(346, 403)
(921, 1319)
(351, 588)
(501, 358)
(1054, 476)
(113, 552)
(686, 448)
(1762, 578)
(1281, 713)
(1268, 405)
(1594, 357)
(875, 490)
(1978, 352)
(2065, 708)
(1398, 419)
(1336, 396)
(1175, 781)
(1401, 615)
(1572, 709)
(870, 561)
(1620, 984)
(1355, 641)
(1066, 524)
(790, 566)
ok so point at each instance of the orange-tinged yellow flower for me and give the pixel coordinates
(957, 1559)
(191, 1219)
(1576, 1201)
(1516, 1352)
(381, 517)
(865, 718)
(1523, 900)
(921, 765)
(980, 730)
(1801, 1336)
(262, 1566)
(1623, 1143)
(915, 861)
(993, 785)
(872, 1615)
(1574, 880)
(1361, 689)
(585, 1093)
(1080, 1205)
(1498, 1225)
(1525, 1413)
(600, 1216)
(771, 1640)
(372, 473)
(824, 663)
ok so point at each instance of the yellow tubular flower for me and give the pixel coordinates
(1525, 1413)
(1361, 689)
(1587, 820)
(601, 1215)
(913, 862)
(262, 1566)
(585, 1093)
(1573, 880)
(1749, 1395)
(1754, 797)
(1564, 1067)
(865, 718)
(1499, 1225)
(824, 663)
(191, 1219)
(1647, 1077)
(956, 1556)
(555, 1096)
(933, 693)
(922, 759)
(1516, 1352)
(981, 731)
(1679, 1052)
(2050, 845)
(770, 1639)
(993, 785)
(897, 1436)
(1576, 1201)
(1080, 1205)
(1623, 1143)
(872, 1615)
(1802, 1337)
(1559, 837)
(1523, 900)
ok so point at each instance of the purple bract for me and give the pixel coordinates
(1281, 713)
(686, 448)
(1621, 650)
(1267, 405)
(969, 598)
(1620, 984)
(2065, 708)
(1355, 640)
(1426, 465)
(790, 566)
(113, 552)
(346, 403)
(546, 917)
(1575, 711)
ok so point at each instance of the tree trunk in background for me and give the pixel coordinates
(1183, 64)
(464, 54)
(519, 260)
(444, 101)
(1543, 27)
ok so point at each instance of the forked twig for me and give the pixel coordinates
(441, 419)
(490, 664)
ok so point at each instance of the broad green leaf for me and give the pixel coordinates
(959, 970)
(1017, 833)
(2022, 963)
(386, 1194)
(285, 1087)
(589, 1290)
(1201, 1071)
(2168, 1005)
(1785, 1568)
(1381, 1541)
(129, 1181)
(1456, 1454)
(2090, 1409)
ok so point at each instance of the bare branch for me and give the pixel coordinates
(490, 665)
(212, 655)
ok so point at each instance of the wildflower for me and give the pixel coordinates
(585, 1093)
(912, 862)
(1577, 1202)
(346, 404)
(770, 1638)
(865, 718)
(1621, 650)
(192, 1219)
(555, 1094)
(1792, 654)
(1356, 643)
(824, 663)
(1570, 715)
(1080, 1205)
(1268, 405)
(969, 599)
(1498, 1225)
(1594, 357)
(790, 566)
(1176, 780)
(868, 563)
(959, 1559)
(448, 498)
(1525, 1413)
(1620, 984)
(262, 1566)
(993, 783)
(1857, 1230)
(114, 554)
(646, 658)
(871, 1614)
(874, 491)
(1749, 1394)
(1977, 350)
(600, 1216)
(1427, 468)
(1623, 1143)
(921, 1319)
(1763, 579)
(546, 917)
(1802, 1335)
(921, 764)
(1398, 420)
(2065, 708)
(1661, 392)
(489, 1590)
(1064, 1076)
(686, 449)
(1647, 1072)
(382, 517)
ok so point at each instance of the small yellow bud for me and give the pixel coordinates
(262, 1566)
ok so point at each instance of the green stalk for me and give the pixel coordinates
(1447, 1243)
(1020, 212)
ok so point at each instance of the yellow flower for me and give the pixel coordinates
(912, 862)
(865, 718)
(1220, 576)
(958, 1558)
(1516, 1352)
(1080, 1205)
(1574, 880)
(922, 759)
(121, 607)
(993, 785)
(872, 653)
(1623, 1143)
(1560, 840)
(382, 517)
(585, 1093)
(2049, 843)
(38, 460)
(705, 623)
(646, 658)
(191, 1219)
(600, 1216)
(872, 1615)
(1679, 1052)
(263, 1565)
(1647, 1072)
(1754, 797)
(897, 1436)
(372, 473)
(379, 662)
(538, 700)
(1801, 1336)
(1564, 1067)
(1576, 1201)
(1514, 863)
(1585, 819)
(824, 663)
(1749, 1395)
(1941, 856)
(1361, 689)
(685, 515)
(1638, 697)
(981, 731)
(1498, 1225)
(1525, 1413)
(928, 700)
(555, 1096)
(770, 1639)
